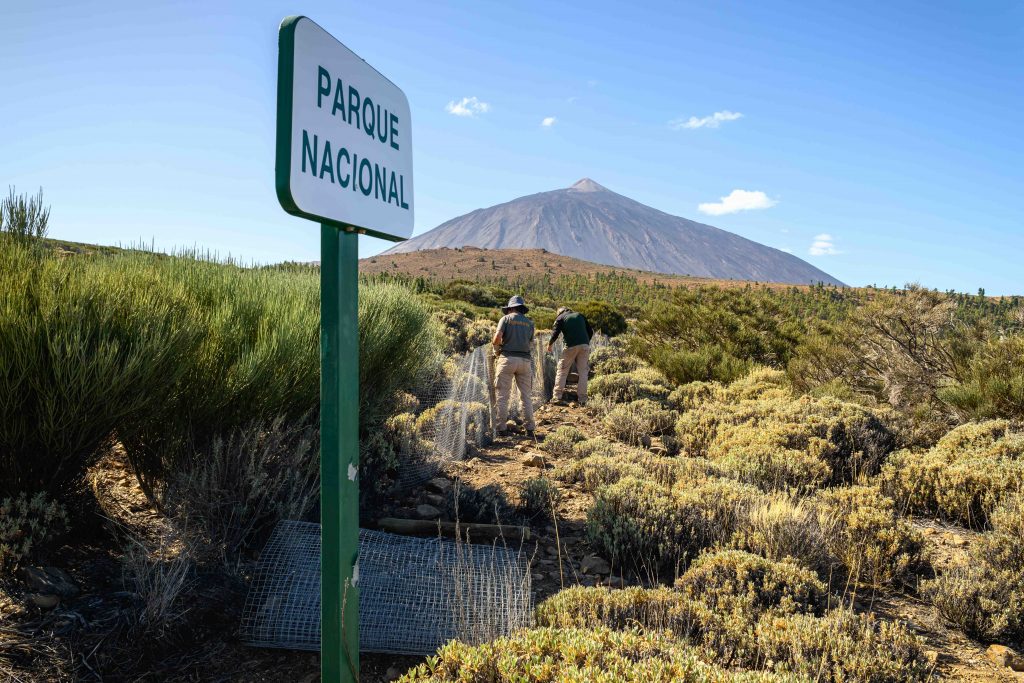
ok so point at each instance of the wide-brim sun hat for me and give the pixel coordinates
(515, 302)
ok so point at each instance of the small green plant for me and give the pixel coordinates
(636, 422)
(595, 446)
(660, 609)
(486, 505)
(622, 387)
(538, 497)
(26, 523)
(560, 441)
(613, 358)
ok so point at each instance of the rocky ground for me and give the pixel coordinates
(72, 619)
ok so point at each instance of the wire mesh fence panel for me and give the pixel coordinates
(415, 594)
(453, 410)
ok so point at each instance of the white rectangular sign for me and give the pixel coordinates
(344, 136)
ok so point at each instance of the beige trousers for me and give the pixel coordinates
(579, 356)
(507, 369)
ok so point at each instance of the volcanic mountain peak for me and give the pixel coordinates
(590, 222)
(588, 185)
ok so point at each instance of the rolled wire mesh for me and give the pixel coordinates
(454, 410)
(415, 594)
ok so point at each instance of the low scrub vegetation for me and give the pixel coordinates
(964, 477)
(562, 440)
(985, 597)
(742, 610)
(570, 654)
(171, 354)
(758, 431)
(636, 422)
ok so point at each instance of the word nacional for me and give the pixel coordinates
(337, 164)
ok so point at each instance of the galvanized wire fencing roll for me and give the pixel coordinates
(415, 594)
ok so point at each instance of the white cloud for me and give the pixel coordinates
(467, 106)
(823, 245)
(549, 121)
(713, 121)
(737, 200)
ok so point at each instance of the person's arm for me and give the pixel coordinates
(555, 332)
(499, 336)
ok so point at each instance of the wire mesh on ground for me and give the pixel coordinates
(415, 594)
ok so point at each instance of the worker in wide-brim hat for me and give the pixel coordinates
(513, 343)
(577, 332)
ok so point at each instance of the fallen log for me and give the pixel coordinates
(467, 530)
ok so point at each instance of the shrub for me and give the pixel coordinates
(487, 505)
(622, 387)
(710, 333)
(985, 598)
(86, 346)
(537, 497)
(612, 358)
(987, 603)
(993, 386)
(258, 358)
(659, 609)
(248, 480)
(655, 528)
(900, 347)
(728, 580)
(780, 527)
(863, 531)
(600, 469)
(595, 446)
(693, 395)
(732, 589)
(755, 430)
(26, 523)
(843, 646)
(560, 441)
(550, 654)
(603, 317)
(964, 477)
(461, 332)
(23, 219)
(636, 422)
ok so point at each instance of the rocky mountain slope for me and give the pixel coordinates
(591, 222)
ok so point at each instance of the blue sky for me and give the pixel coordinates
(885, 138)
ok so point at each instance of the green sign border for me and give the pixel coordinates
(283, 160)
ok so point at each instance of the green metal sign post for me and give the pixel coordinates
(339, 453)
(344, 159)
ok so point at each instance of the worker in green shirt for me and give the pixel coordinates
(512, 343)
(576, 330)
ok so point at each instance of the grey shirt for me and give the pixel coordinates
(516, 334)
